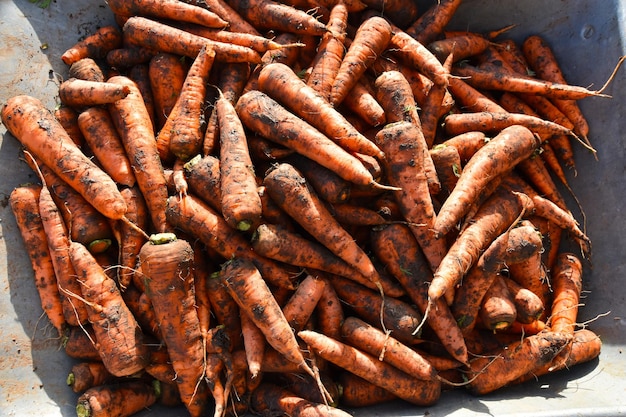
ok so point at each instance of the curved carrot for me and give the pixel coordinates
(168, 10)
(273, 15)
(35, 127)
(433, 21)
(95, 45)
(86, 69)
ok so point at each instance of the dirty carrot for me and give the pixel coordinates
(27, 119)
(300, 306)
(432, 22)
(167, 10)
(281, 83)
(123, 399)
(240, 200)
(358, 392)
(497, 310)
(463, 45)
(368, 367)
(270, 398)
(204, 179)
(263, 115)
(329, 186)
(86, 69)
(361, 101)
(370, 40)
(75, 92)
(85, 375)
(199, 220)
(291, 192)
(101, 135)
(567, 287)
(272, 15)
(68, 118)
(95, 45)
(167, 265)
(254, 345)
(528, 305)
(129, 57)
(144, 32)
(118, 338)
(134, 126)
(498, 156)
(167, 74)
(24, 201)
(184, 123)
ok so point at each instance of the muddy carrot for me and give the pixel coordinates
(95, 45)
(168, 9)
(122, 399)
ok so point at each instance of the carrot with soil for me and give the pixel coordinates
(80, 93)
(123, 399)
(567, 287)
(167, 10)
(95, 45)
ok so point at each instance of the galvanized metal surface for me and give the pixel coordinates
(588, 37)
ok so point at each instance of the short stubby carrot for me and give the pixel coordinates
(28, 120)
(122, 399)
(498, 156)
(77, 93)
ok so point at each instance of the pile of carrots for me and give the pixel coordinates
(303, 207)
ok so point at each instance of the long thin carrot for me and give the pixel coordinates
(500, 155)
(433, 21)
(368, 367)
(272, 15)
(271, 398)
(168, 9)
(27, 119)
(134, 126)
(24, 201)
(119, 339)
(167, 75)
(370, 40)
(567, 287)
(281, 83)
(95, 45)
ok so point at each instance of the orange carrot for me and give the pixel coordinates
(240, 201)
(204, 179)
(236, 23)
(470, 99)
(167, 10)
(147, 33)
(95, 45)
(329, 186)
(118, 337)
(129, 57)
(24, 201)
(35, 127)
(368, 367)
(254, 345)
(330, 51)
(272, 15)
(85, 375)
(225, 310)
(497, 310)
(269, 398)
(196, 218)
(277, 80)
(291, 192)
(167, 264)
(99, 132)
(68, 118)
(433, 21)
(78, 93)
(495, 216)
(462, 45)
(528, 305)
(299, 309)
(167, 75)
(362, 102)
(263, 115)
(567, 287)
(79, 343)
(140, 74)
(122, 399)
(86, 69)
(134, 126)
(500, 155)
(403, 144)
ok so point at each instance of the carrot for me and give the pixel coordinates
(254, 345)
(447, 161)
(394, 94)
(236, 23)
(272, 15)
(196, 218)
(270, 398)
(95, 45)
(390, 314)
(503, 80)
(567, 286)
(119, 339)
(171, 68)
(86, 69)
(291, 192)
(356, 215)
(204, 179)
(361, 101)
(140, 74)
(281, 83)
(27, 119)
(497, 310)
(147, 33)
(240, 201)
(329, 186)
(68, 118)
(79, 93)
(263, 115)
(167, 265)
(248, 288)
(129, 57)
(401, 12)
(357, 392)
(470, 99)
(168, 10)
(490, 373)
(24, 201)
(139, 304)
(542, 61)
(467, 144)
(123, 399)
(512, 145)
(414, 53)
(528, 305)
(134, 126)
(370, 40)
(462, 45)
(364, 336)
(299, 309)
(78, 344)
(468, 296)
(99, 132)
(433, 21)
(330, 51)
(85, 375)
(403, 144)
(534, 170)
(495, 216)
(329, 312)
(368, 367)
(225, 310)
(398, 250)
